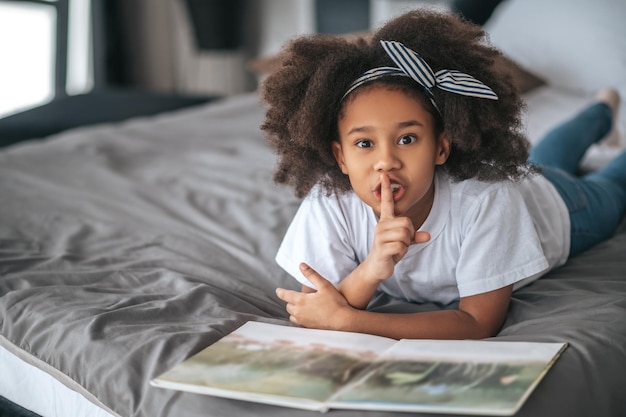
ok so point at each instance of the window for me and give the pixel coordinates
(27, 35)
(34, 67)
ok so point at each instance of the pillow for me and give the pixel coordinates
(578, 45)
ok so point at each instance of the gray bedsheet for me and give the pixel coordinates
(125, 249)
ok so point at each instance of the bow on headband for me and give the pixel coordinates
(410, 64)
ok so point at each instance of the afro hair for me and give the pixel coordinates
(304, 98)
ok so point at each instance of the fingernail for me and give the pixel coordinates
(304, 267)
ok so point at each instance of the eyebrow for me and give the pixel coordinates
(408, 123)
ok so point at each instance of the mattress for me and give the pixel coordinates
(126, 248)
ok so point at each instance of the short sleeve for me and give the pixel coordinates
(500, 245)
(318, 235)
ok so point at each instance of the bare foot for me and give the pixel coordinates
(611, 97)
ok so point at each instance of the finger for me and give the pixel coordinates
(316, 279)
(421, 237)
(386, 198)
(398, 229)
(287, 296)
(397, 251)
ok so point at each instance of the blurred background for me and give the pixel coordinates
(53, 49)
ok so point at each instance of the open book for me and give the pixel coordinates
(322, 369)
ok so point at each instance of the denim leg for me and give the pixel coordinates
(565, 145)
(596, 202)
(596, 205)
(614, 171)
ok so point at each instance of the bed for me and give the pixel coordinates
(125, 248)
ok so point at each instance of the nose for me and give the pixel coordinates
(386, 159)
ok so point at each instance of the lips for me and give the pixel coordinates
(397, 191)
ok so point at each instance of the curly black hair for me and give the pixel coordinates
(304, 98)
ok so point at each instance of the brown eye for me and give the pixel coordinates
(406, 140)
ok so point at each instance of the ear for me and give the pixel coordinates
(444, 149)
(338, 152)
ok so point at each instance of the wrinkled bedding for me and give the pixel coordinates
(124, 249)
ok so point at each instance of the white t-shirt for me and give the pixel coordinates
(484, 236)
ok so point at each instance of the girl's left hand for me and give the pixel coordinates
(325, 308)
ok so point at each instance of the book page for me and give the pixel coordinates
(272, 363)
(464, 377)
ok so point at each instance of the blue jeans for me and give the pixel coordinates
(596, 201)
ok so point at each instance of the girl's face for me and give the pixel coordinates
(387, 131)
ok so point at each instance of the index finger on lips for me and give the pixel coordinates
(386, 198)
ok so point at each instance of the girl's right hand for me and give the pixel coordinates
(392, 237)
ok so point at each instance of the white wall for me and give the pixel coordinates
(383, 10)
(281, 20)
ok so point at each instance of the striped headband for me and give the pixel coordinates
(410, 64)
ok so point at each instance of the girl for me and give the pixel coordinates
(409, 152)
